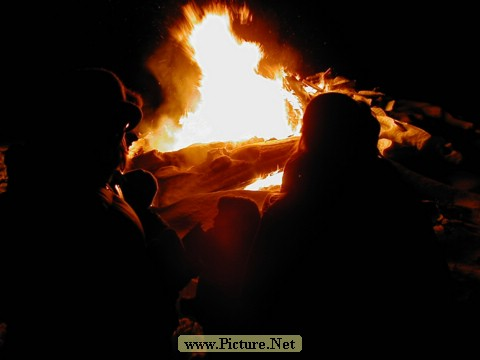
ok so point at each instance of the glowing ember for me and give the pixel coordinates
(235, 102)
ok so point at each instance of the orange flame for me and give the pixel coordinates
(234, 102)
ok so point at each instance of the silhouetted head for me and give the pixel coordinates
(83, 129)
(96, 98)
(139, 188)
(234, 210)
(338, 126)
(236, 222)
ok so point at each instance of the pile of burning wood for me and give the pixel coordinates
(415, 135)
(216, 166)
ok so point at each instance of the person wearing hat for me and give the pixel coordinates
(75, 280)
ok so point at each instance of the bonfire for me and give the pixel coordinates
(232, 117)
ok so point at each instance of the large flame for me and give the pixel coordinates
(235, 102)
(224, 97)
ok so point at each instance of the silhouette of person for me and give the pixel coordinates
(348, 243)
(164, 247)
(75, 276)
(219, 256)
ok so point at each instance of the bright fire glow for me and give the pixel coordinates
(235, 102)
(272, 180)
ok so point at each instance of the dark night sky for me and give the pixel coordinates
(426, 54)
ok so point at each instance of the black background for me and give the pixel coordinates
(407, 50)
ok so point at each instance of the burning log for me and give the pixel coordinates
(206, 168)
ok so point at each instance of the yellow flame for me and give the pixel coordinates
(235, 102)
(270, 182)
